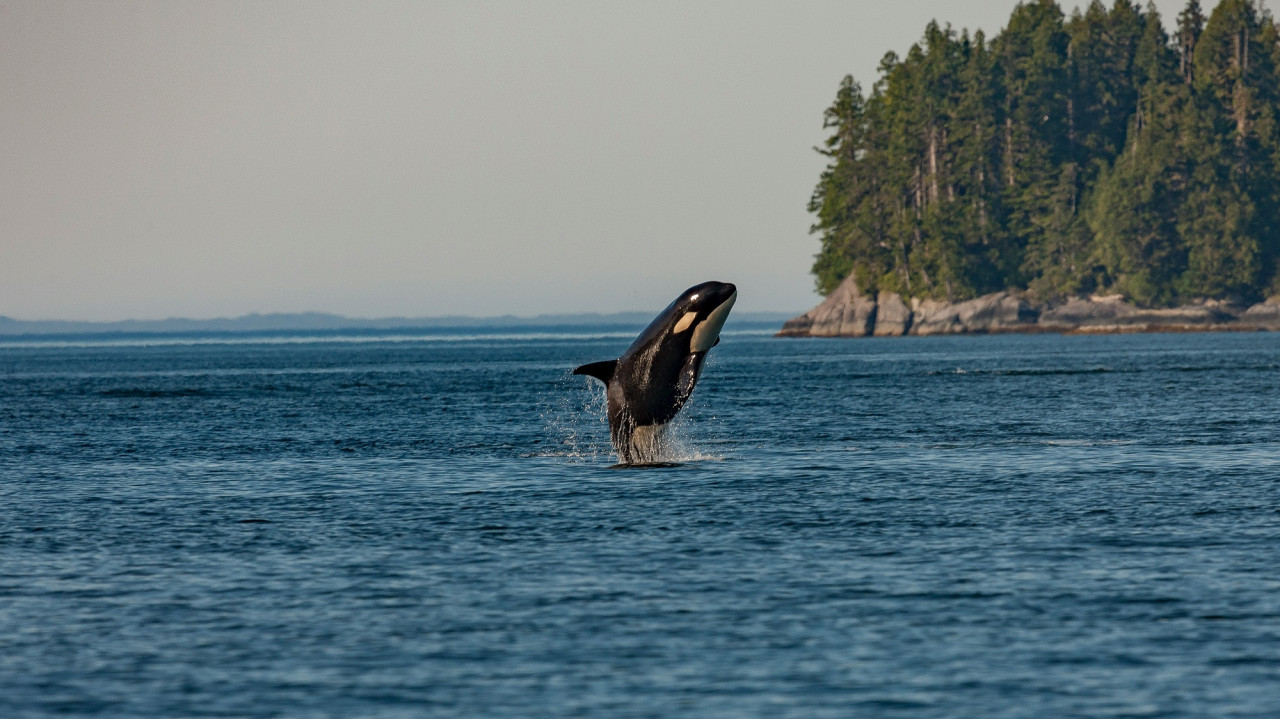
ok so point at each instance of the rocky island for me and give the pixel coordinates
(1082, 172)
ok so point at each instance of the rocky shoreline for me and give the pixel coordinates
(846, 312)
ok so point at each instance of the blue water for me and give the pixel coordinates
(1017, 526)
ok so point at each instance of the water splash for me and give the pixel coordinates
(575, 418)
(680, 444)
(577, 422)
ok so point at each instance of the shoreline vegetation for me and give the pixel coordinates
(1089, 173)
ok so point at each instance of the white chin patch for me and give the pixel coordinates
(708, 331)
(685, 322)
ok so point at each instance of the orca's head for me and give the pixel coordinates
(701, 311)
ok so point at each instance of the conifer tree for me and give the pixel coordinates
(836, 198)
(1190, 25)
(979, 213)
(1232, 242)
(1032, 53)
(1135, 203)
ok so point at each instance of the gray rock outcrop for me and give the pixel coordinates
(999, 312)
(893, 317)
(1112, 314)
(847, 312)
(1262, 316)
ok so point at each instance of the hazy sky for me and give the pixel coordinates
(205, 159)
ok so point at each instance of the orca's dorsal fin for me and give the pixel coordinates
(602, 371)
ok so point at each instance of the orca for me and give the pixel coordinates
(653, 379)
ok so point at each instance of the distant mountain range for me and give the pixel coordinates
(327, 323)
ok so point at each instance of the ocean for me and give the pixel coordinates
(400, 525)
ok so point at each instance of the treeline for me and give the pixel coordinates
(1064, 156)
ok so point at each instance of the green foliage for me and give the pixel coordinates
(1064, 156)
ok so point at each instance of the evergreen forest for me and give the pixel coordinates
(1093, 153)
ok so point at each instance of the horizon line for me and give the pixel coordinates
(359, 318)
(329, 322)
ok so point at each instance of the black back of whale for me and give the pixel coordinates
(654, 377)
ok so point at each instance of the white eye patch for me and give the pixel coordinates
(685, 322)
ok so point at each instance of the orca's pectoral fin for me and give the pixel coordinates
(602, 371)
(689, 375)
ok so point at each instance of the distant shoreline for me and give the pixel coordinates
(322, 324)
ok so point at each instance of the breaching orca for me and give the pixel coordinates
(653, 379)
